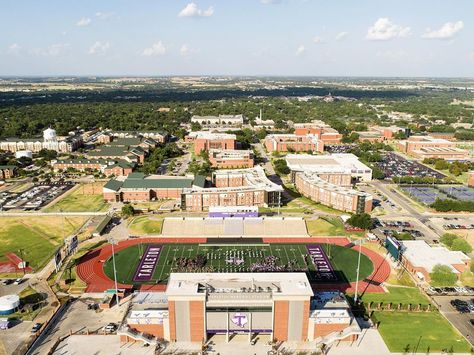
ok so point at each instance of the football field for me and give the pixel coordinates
(236, 258)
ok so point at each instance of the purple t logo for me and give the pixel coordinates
(239, 319)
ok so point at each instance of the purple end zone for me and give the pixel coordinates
(148, 262)
(324, 270)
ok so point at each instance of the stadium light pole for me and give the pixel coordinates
(111, 240)
(357, 277)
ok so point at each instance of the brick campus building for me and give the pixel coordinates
(244, 187)
(327, 179)
(205, 141)
(281, 306)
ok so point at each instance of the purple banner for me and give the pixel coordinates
(148, 262)
(324, 270)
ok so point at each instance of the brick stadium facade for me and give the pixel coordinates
(283, 306)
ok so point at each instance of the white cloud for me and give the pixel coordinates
(192, 10)
(184, 50)
(14, 48)
(341, 35)
(104, 15)
(300, 50)
(156, 49)
(99, 48)
(83, 22)
(383, 29)
(318, 40)
(448, 30)
(53, 50)
(270, 2)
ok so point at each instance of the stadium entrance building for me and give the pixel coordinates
(196, 306)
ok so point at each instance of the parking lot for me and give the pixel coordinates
(394, 165)
(34, 198)
(394, 228)
(339, 148)
(462, 321)
(78, 318)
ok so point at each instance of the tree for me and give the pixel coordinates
(448, 239)
(461, 245)
(128, 210)
(442, 276)
(195, 126)
(281, 168)
(360, 220)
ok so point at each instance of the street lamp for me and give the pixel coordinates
(358, 270)
(112, 242)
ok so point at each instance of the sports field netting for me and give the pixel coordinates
(237, 258)
(463, 193)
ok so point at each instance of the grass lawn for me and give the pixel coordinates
(38, 237)
(405, 295)
(328, 226)
(343, 260)
(145, 225)
(82, 198)
(30, 300)
(421, 332)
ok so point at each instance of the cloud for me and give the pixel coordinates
(83, 22)
(341, 35)
(156, 49)
(99, 48)
(192, 10)
(53, 50)
(448, 30)
(104, 15)
(270, 2)
(383, 30)
(184, 50)
(318, 40)
(300, 50)
(14, 48)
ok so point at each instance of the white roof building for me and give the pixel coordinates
(338, 163)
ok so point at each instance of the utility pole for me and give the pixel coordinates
(111, 240)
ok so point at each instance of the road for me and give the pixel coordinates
(458, 320)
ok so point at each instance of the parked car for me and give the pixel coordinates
(36, 327)
(110, 328)
(18, 281)
(7, 282)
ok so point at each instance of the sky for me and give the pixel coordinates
(403, 38)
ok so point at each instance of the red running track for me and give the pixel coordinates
(90, 268)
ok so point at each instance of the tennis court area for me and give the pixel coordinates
(459, 192)
(424, 194)
(317, 260)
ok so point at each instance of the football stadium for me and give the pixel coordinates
(146, 263)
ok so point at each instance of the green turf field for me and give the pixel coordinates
(425, 333)
(343, 260)
(37, 236)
